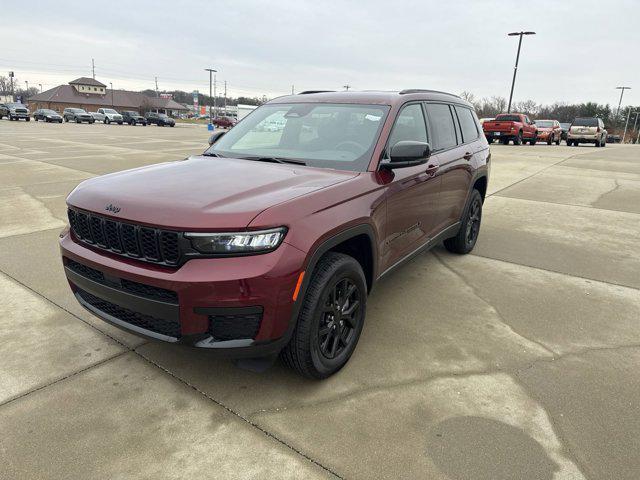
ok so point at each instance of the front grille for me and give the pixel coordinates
(129, 286)
(158, 325)
(135, 241)
(234, 327)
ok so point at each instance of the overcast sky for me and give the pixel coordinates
(582, 51)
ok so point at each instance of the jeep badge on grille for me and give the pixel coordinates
(112, 208)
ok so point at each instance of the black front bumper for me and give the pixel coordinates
(159, 319)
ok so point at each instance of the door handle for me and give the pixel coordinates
(468, 156)
(432, 168)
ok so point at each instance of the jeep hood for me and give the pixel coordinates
(200, 193)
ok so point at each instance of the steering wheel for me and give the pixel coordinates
(350, 146)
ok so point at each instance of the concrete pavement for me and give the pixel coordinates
(519, 361)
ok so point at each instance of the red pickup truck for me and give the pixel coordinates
(511, 126)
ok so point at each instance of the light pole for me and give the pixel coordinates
(27, 84)
(211, 72)
(40, 85)
(515, 70)
(626, 125)
(622, 89)
(111, 85)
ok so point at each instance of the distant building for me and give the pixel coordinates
(90, 94)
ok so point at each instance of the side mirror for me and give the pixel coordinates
(216, 136)
(408, 153)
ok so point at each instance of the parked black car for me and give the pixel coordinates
(47, 115)
(160, 119)
(133, 118)
(77, 115)
(15, 111)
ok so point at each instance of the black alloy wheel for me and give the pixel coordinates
(340, 318)
(473, 222)
(464, 241)
(331, 317)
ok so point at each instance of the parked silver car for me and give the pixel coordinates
(98, 117)
(587, 130)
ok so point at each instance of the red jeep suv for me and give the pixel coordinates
(270, 241)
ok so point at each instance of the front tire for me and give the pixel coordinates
(518, 140)
(467, 236)
(330, 319)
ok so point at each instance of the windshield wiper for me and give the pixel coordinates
(295, 161)
(207, 154)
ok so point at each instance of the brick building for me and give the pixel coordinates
(90, 94)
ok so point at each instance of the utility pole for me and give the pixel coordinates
(620, 101)
(111, 85)
(93, 68)
(157, 94)
(11, 75)
(292, 90)
(211, 72)
(635, 122)
(346, 87)
(515, 69)
(225, 98)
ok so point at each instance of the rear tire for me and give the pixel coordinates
(518, 139)
(325, 335)
(466, 238)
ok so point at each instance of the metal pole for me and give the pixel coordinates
(40, 85)
(111, 85)
(515, 71)
(93, 69)
(215, 107)
(620, 101)
(626, 125)
(211, 80)
(225, 98)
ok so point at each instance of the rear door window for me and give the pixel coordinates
(442, 126)
(467, 124)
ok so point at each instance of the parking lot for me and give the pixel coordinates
(518, 361)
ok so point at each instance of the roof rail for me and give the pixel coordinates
(306, 92)
(423, 90)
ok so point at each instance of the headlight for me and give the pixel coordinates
(237, 242)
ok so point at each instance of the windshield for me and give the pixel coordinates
(78, 110)
(586, 122)
(327, 135)
(162, 115)
(507, 118)
(109, 110)
(544, 123)
(49, 112)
